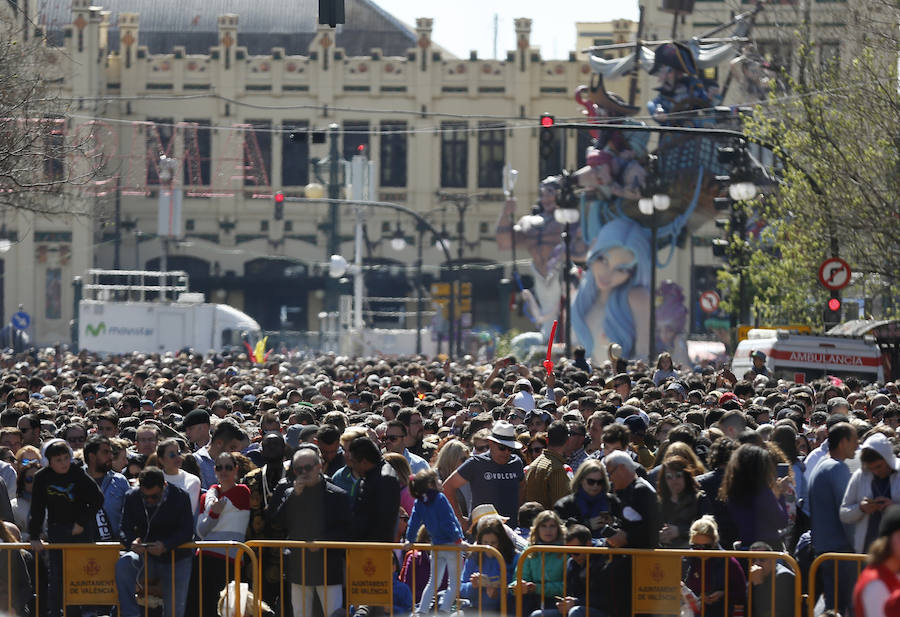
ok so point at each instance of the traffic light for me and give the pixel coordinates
(546, 136)
(331, 12)
(722, 203)
(831, 316)
(728, 156)
(719, 248)
(279, 206)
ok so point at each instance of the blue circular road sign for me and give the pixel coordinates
(21, 320)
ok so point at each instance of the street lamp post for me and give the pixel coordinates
(420, 241)
(334, 213)
(567, 215)
(510, 176)
(442, 243)
(398, 243)
(167, 168)
(741, 192)
(312, 196)
(651, 206)
(462, 203)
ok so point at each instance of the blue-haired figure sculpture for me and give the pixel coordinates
(612, 304)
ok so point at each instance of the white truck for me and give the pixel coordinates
(124, 311)
(804, 357)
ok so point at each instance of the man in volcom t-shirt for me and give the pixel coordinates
(495, 477)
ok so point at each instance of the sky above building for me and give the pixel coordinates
(464, 25)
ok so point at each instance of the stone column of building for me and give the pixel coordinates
(421, 146)
(55, 250)
(524, 144)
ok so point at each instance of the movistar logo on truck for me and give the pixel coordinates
(97, 330)
(101, 328)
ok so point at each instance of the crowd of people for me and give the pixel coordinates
(158, 451)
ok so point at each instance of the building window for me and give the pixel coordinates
(54, 149)
(454, 155)
(601, 42)
(258, 153)
(158, 139)
(189, 224)
(288, 226)
(295, 153)
(491, 154)
(392, 159)
(197, 152)
(264, 225)
(777, 54)
(830, 54)
(53, 294)
(356, 134)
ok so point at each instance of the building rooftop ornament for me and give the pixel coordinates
(264, 24)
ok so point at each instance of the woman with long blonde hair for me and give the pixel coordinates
(543, 574)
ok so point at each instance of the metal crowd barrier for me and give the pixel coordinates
(281, 545)
(91, 565)
(860, 560)
(542, 550)
(253, 551)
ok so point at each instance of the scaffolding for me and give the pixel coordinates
(134, 285)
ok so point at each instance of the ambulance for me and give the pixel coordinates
(803, 357)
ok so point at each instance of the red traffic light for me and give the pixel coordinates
(834, 304)
(279, 197)
(547, 121)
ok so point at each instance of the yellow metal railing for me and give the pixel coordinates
(859, 559)
(704, 555)
(253, 553)
(467, 550)
(104, 547)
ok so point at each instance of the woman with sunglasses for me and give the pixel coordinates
(707, 581)
(169, 458)
(591, 502)
(21, 505)
(25, 455)
(680, 499)
(225, 513)
(534, 448)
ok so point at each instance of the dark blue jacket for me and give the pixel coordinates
(171, 522)
(377, 505)
(438, 517)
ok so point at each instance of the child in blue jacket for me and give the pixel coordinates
(434, 511)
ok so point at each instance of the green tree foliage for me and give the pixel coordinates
(836, 125)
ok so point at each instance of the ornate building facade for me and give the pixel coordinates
(243, 103)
